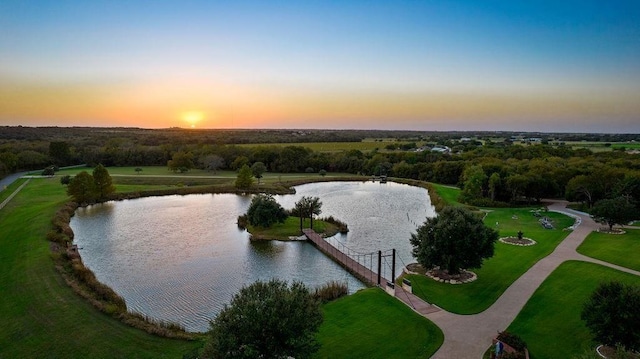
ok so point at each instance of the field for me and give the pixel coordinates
(497, 273)
(603, 146)
(372, 324)
(614, 248)
(550, 321)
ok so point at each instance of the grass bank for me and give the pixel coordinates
(507, 265)
(42, 316)
(291, 227)
(448, 193)
(550, 321)
(614, 248)
(372, 324)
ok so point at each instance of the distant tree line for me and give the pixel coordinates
(489, 172)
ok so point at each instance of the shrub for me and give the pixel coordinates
(513, 340)
(242, 221)
(331, 291)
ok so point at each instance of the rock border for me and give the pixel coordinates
(531, 241)
(437, 279)
(616, 232)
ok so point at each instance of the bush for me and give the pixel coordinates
(331, 291)
(342, 227)
(513, 340)
(243, 221)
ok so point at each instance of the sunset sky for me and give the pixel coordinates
(571, 66)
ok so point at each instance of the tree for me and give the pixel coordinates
(65, 180)
(245, 178)
(322, 173)
(266, 320)
(612, 314)
(181, 161)
(59, 152)
(613, 211)
(82, 188)
(212, 162)
(455, 239)
(265, 211)
(138, 170)
(239, 162)
(308, 207)
(474, 178)
(494, 183)
(103, 183)
(258, 169)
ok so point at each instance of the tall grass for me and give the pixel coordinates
(331, 291)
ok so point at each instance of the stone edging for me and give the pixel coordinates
(606, 231)
(452, 281)
(531, 242)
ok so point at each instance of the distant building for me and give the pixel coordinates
(441, 149)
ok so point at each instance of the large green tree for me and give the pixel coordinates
(473, 180)
(258, 169)
(82, 188)
(456, 239)
(103, 182)
(266, 320)
(614, 211)
(245, 178)
(265, 211)
(181, 161)
(612, 314)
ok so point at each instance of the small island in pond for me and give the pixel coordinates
(267, 220)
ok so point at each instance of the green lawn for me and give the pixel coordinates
(497, 273)
(449, 194)
(372, 324)
(6, 192)
(550, 321)
(614, 248)
(290, 227)
(41, 316)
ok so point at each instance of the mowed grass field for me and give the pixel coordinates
(41, 316)
(372, 324)
(550, 321)
(507, 265)
(614, 248)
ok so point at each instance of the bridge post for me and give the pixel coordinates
(379, 266)
(393, 266)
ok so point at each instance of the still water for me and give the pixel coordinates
(181, 258)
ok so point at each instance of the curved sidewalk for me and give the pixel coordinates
(469, 336)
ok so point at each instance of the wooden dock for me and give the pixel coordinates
(366, 275)
(361, 272)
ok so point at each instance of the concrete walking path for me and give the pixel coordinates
(469, 336)
(8, 199)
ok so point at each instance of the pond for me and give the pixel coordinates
(181, 258)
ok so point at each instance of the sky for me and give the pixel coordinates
(552, 66)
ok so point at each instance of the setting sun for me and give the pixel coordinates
(192, 117)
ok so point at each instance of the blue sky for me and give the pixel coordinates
(424, 65)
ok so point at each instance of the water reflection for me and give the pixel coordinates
(181, 258)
